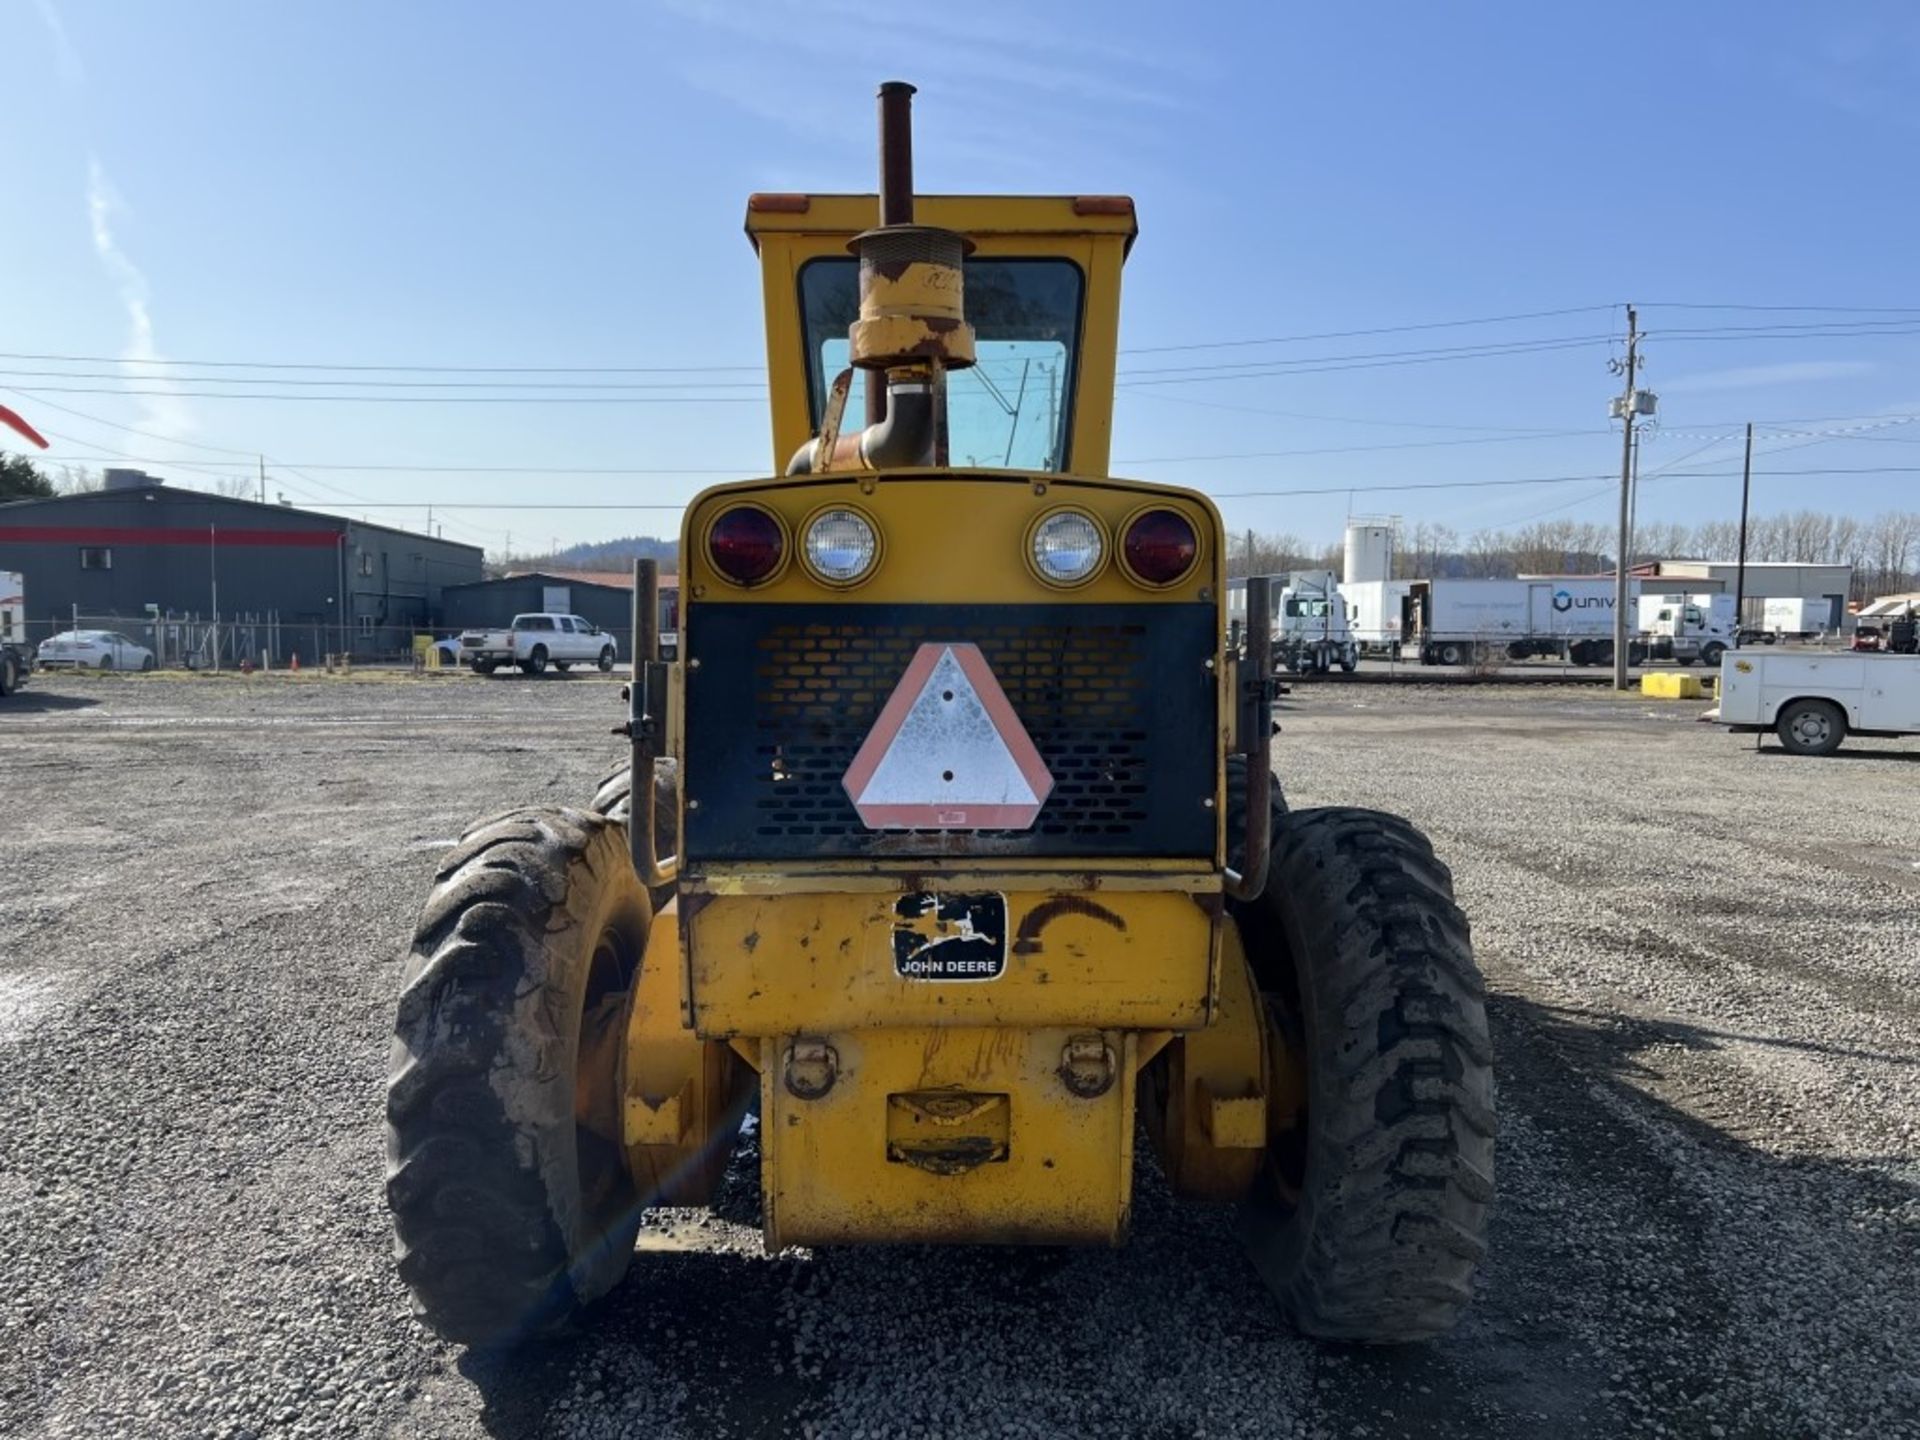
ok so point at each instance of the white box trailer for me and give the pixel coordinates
(1373, 613)
(1795, 617)
(1452, 622)
(16, 656)
(1814, 701)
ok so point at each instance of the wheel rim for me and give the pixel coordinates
(1285, 1172)
(1811, 727)
(606, 1004)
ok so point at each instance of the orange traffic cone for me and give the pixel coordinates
(296, 660)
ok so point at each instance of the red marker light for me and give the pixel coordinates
(1159, 547)
(746, 545)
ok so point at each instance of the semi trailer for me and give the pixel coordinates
(1460, 622)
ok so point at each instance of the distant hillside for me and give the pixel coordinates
(617, 554)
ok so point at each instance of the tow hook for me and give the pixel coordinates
(1087, 1065)
(812, 1067)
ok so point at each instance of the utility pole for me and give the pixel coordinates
(263, 479)
(1627, 407)
(1740, 566)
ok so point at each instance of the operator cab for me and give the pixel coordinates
(1042, 281)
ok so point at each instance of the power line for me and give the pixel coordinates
(393, 384)
(1377, 330)
(401, 399)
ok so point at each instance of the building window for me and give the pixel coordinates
(366, 562)
(366, 624)
(96, 557)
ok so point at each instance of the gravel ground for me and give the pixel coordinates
(1703, 963)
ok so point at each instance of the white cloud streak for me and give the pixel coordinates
(66, 59)
(166, 413)
(1760, 377)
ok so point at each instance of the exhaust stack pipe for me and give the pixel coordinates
(912, 324)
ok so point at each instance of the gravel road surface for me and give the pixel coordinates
(1704, 963)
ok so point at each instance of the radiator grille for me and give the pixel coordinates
(1117, 700)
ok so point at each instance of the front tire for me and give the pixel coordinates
(482, 667)
(1370, 1213)
(1451, 654)
(9, 675)
(1710, 655)
(1811, 727)
(511, 1199)
(605, 662)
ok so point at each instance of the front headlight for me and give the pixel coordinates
(840, 546)
(1067, 547)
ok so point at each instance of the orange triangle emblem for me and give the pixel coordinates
(947, 752)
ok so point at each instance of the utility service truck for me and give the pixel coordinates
(952, 840)
(1814, 700)
(15, 654)
(535, 641)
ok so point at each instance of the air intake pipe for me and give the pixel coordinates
(912, 324)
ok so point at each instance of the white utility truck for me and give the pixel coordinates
(536, 641)
(15, 653)
(1687, 628)
(1814, 700)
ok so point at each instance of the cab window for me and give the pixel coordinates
(1009, 411)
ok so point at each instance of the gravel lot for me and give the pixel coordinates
(1704, 963)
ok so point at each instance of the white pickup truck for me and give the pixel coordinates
(15, 656)
(536, 641)
(1813, 701)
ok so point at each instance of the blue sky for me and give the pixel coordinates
(493, 184)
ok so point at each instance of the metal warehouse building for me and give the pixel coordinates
(193, 575)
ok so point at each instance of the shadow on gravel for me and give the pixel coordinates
(1850, 751)
(42, 701)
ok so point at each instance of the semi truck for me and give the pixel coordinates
(15, 654)
(1687, 628)
(1311, 634)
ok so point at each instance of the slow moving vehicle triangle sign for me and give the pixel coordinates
(947, 752)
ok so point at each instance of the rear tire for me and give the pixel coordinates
(1811, 727)
(9, 675)
(1370, 1216)
(1451, 654)
(536, 663)
(106, 662)
(511, 1199)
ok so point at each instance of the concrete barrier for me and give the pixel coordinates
(1671, 687)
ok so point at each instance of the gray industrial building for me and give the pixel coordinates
(195, 576)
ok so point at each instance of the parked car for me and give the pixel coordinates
(536, 641)
(93, 650)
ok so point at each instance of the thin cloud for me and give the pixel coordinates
(1760, 377)
(66, 58)
(165, 413)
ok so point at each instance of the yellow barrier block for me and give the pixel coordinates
(1671, 687)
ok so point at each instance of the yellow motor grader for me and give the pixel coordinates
(950, 840)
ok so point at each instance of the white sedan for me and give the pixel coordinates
(93, 650)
